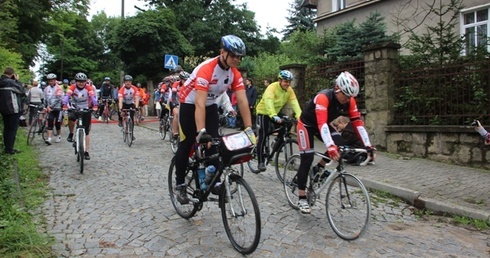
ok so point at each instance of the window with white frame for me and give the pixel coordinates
(338, 5)
(476, 28)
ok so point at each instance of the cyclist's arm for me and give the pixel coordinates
(120, 95)
(268, 98)
(200, 113)
(294, 103)
(321, 113)
(225, 103)
(357, 123)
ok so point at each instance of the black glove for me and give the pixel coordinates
(205, 138)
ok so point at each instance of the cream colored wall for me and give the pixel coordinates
(399, 14)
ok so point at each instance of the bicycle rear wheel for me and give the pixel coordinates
(174, 144)
(348, 207)
(286, 150)
(81, 150)
(44, 132)
(241, 215)
(184, 210)
(124, 132)
(130, 128)
(32, 132)
(290, 182)
(163, 127)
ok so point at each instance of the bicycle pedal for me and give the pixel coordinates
(194, 200)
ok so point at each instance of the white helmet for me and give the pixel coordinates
(348, 84)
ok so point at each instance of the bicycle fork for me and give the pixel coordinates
(240, 210)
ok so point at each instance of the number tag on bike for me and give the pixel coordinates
(238, 146)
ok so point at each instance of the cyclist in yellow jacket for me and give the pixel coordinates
(275, 97)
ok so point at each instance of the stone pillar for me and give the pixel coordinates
(380, 78)
(298, 84)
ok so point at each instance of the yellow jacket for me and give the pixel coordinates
(275, 98)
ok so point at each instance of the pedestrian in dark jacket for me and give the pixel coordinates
(12, 95)
(252, 95)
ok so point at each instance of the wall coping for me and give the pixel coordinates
(429, 129)
(383, 45)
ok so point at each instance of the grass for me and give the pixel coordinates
(477, 223)
(22, 191)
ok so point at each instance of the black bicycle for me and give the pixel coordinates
(38, 121)
(128, 126)
(283, 146)
(347, 201)
(239, 207)
(79, 140)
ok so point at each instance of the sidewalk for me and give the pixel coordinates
(438, 187)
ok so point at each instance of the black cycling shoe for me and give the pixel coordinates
(86, 156)
(70, 137)
(182, 194)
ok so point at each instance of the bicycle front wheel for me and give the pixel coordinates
(348, 207)
(184, 210)
(161, 129)
(32, 132)
(241, 214)
(130, 128)
(81, 149)
(285, 151)
(174, 144)
(290, 181)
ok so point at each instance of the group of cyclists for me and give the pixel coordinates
(195, 98)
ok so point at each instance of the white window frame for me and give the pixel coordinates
(338, 5)
(463, 26)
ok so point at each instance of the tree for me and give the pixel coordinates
(73, 48)
(300, 19)
(203, 22)
(143, 40)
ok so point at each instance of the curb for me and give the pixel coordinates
(415, 199)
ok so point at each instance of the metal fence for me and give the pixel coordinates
(447, 95)
(323, 76)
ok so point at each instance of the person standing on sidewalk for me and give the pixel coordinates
(275, 97)
(252, 98)
(12, 94)
(35, 96)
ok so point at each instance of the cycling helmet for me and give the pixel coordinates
(285, 75)
(43, 84)
(233, 44)
(184, 75)
(138, 85)
(348, 84)
(81, 77)
(107, 79)
(128, 77)
(65, 81)
(51, 76)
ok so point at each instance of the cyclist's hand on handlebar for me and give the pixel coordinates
(206, 139)
(251, 135)
(333, 152)
(277, 119)
(232, 113)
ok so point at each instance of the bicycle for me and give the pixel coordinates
(44, 131)
(138, 117)
(239, 207)
(128, 126)
(347, 201)
(39, 120)
(284, 145)
(106, 113)
(165, 123)
(79, 139)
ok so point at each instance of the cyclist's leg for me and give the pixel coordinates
(212, 125)
(101, 108)
(87, 121)
(175, 122)
(72, 117)
(51, 122)
(187, 140)
(306, 150)
(263, 122)
(58, 121)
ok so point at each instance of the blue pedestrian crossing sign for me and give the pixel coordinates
(171, 61)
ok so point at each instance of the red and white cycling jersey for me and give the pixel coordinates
(129, 95)
(209, 76)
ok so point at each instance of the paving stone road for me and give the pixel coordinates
(120, 208)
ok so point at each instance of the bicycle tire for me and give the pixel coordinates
(105, 115)
(32, 132)
(44, 132)
(174, 144)
(290, 180)
(130, 127)
(81, 149)
(286, 150)
(348, 222)
(186, 211)
(163, 126)
(241, 215)
(124, 132)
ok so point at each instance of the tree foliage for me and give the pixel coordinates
(300, 19)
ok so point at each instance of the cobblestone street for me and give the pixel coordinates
(120, 207)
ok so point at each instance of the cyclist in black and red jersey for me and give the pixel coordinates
(315, 120)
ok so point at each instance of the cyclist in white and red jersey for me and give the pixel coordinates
(53, 94)
(315, 120)
(129, 96)
(82, 96)
(173, 101)
(198, 108)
